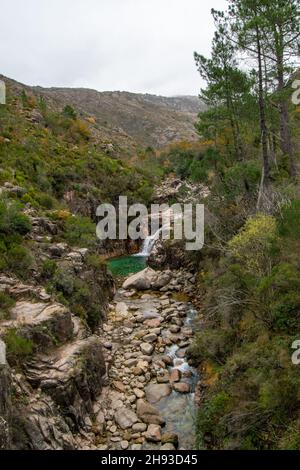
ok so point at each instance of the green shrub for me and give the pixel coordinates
(18, 347)
(18, 260)
(252, 244)
(12, 220)
(6, 302)
(80, 231)
(49, 268)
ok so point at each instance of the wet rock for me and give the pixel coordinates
(181, 387)
(155, 392)
(125, 418)
(167, 360)
(175, 376)
(181, 353)
(153, 433)
(148, 413)
(163, 378)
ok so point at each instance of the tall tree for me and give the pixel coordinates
(281, 36)
(247, 26)
(226, 84)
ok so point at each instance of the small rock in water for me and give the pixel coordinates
(175, 375)
(181, 387)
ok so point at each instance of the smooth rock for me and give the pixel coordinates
(148, 413)
(141, 280)
(175, 376)
(139, 427)
(125, 418)
(155, 392)
(147, 348)
(181, 387)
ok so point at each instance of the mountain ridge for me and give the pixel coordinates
(130, 121)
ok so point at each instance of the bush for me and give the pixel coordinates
(251, 246)
(6, 302)
(49, 268)
(18, 347)
(12, 220)
(80, 231)
(18, 260)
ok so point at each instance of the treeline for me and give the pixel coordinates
(248, 76)
(249, 269)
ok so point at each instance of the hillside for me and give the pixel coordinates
(128, 121)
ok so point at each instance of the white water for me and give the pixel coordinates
(149, 243)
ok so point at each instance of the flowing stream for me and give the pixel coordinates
(178, 409)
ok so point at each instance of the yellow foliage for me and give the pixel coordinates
(63, 214)
(250, 245)
(80, 127)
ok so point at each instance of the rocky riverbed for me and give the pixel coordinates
(148, 400)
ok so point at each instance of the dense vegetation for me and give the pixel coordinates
(52, 166)
(249, 269)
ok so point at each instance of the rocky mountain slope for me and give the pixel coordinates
(126, 120)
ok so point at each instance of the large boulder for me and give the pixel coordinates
(141, 280)
(155, 392)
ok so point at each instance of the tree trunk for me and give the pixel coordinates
(265, 179)
(285, 134)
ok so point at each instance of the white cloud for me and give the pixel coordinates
(134, 45)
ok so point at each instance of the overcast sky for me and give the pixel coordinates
(134, 45)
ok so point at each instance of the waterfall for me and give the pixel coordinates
(149, 242)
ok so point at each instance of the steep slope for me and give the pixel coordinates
(127, 120)
(149, 120)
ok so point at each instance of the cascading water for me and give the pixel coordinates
(149, 243)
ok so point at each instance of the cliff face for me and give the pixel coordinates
(5, 407)
(56, 368)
